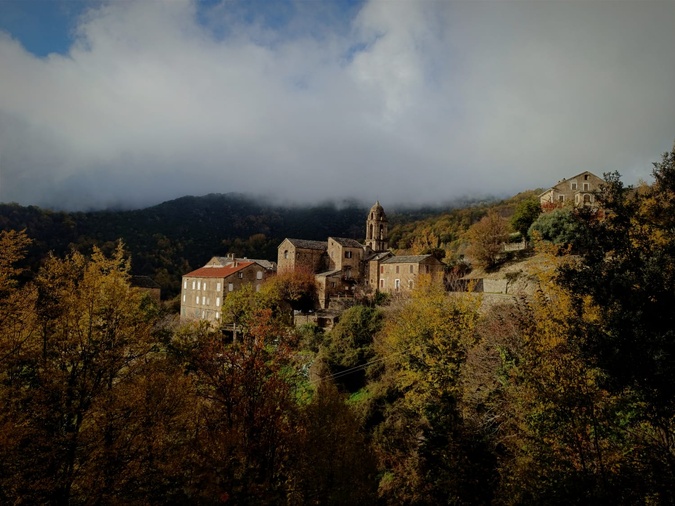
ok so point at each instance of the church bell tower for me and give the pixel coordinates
(376, 229)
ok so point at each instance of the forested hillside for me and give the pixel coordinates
(172, 238)
(567, 397)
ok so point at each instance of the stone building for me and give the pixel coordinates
(377, 229)
(400, 274)
(294, 254)
(205, 289)
(578, 190)
(341, 265)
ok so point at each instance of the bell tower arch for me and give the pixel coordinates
(377, 234)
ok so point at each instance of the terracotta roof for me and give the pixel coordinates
(218, 272)
(348, 243)
(406, 259)
(305, 244)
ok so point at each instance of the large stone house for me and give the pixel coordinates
(400, 274)
(576, 191)
(340, 265)
(205, 289)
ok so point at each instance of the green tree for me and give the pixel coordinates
(527, 211)
(560, 226)
(348, 347)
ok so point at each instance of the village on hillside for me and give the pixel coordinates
(345, 269)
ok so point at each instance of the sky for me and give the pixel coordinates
(125, 104)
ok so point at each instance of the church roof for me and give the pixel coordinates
(306, 244)
(377, 212)
(347, 243)
(406, 259)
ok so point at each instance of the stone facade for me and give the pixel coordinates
(400, 274)
(205, 289)
(576, 191)
(294, 254)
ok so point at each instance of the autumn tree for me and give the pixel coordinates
(295, 290)
(72, 386)
(486, 239)
(246, 410)
(420, 443)
(628, 271)
(335, 463)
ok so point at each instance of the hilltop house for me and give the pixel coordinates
(205, 289)
(578, 190)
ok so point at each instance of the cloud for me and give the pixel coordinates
(405, 102)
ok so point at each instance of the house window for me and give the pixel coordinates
(217, 315)
(185, 284)
(397, 284)
(199, 285)
(193, 284)
(257, 288)
(587, 199)
(348, 273)
(573, 186)
(411, 269)
(426, 269)
(576, 199)
(203, 301)
(230, 287)
(410, 284)
(285, 253)
(586, 177)
(217, 287)
(258, 275)
(332, 284)
(183, 297)
(397, 269)
(381, 269)
(241, 275)
(382, 283)
(217, 301)
(197, 301)
(585, 187)
(348, 254)
(561, 198)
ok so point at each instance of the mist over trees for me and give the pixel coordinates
(565, 397)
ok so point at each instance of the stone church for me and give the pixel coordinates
(342, 265)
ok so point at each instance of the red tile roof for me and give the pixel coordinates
(218, 272)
